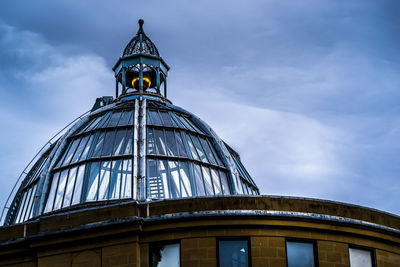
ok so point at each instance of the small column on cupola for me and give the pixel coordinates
(140, 69)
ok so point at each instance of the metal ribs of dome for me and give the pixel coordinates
(131, 149)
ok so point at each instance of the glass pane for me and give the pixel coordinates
(119, 143)
(50, 199)
(60, 189)
(71, 152)
(224, 182)
(176, 121)
(199, 180)
(238, 184)
(87, 147)
(155, 188)
(99, 145)
(93, 182)
(104, 180)
(150, 142)
(115, 182)
(181, 146)
(91, 125)
(124, 118)
(128, 147)
(199, 149)
(360, 257)
(300, 254)
(108, 143)
(21, 207)
(162, 168)
(160, 144)
(207, 149)
(104, 121)
(216, 156)
(69, 188)
(165, 256)
(78, 185)
(127, 179)
(171, 143)
(174, 179)
(207, 180)
(28, 205)
(81, 146)
(30, 211)
(166, 119)
(114, 119)
(155, 118)
(192, 125)
(233, 253)
(185, 181)
(191, 147)
(131, 118)
(216, 182)
(149, 121)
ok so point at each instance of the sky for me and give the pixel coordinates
(306, 91)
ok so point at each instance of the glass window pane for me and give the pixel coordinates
(50, 199)
(181, 146)
(128, 146)
(115, 182)
(28, 205)
(165, 256)
(30, 212)
(108, 143)
(174, 179)
(59, 163)
(69, 188)
(114, 119)
(131, 118)
(191, 147)
(155, 188)
(21, 207)
(224, 182)
(93, 182)
(160, 143)
(124, 118)
(360, 257)
(185, 123)
(171, 143)
(166, 119)
(80, 148)
(216, 182)
(155, 118)
(300, 254)
(150, 142)
(207, 180)
(185, 180)
(199, 180)
(78, 185)
(126, 190)
(104, 180)
(192, 125)
(233, 253)
(199, 149)
(60, 190)
(99, 145)
(149, 121)
(87, 147)
(162, 168)
(71, 152)
(104, 121)
(119, 143)
(207, 149)
(91, 125)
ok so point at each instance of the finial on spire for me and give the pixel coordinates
(141, 24)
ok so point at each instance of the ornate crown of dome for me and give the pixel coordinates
(141, 44)
(137, 147)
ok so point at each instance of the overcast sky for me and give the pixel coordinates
(306, 91)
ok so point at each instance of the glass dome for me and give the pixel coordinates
(138, 147)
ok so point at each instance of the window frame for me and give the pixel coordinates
(164, 243)
(372, 250)
(235, 238)
(303, 240)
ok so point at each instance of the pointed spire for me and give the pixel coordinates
(141, 22)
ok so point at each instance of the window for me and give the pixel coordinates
(300, 254)
(361, 257)
(165, 255)
(233, 253)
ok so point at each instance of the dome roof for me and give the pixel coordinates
(141, 44)
(130, 149)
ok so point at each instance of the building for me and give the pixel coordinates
(141, 182)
